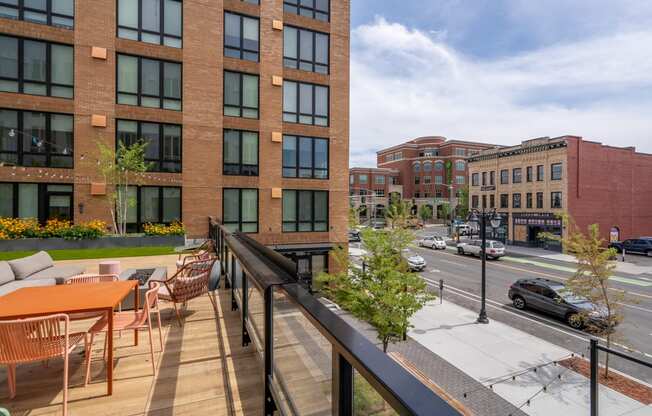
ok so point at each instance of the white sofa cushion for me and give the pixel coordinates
(29, 265)
(6, 274)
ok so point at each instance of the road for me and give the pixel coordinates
(461, 275)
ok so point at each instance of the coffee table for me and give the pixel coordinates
(143, 276)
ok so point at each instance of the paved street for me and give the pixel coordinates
(461, 275)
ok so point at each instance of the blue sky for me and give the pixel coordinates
(500, 71)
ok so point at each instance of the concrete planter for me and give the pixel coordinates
(28, 244)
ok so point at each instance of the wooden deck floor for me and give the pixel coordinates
(203, 369)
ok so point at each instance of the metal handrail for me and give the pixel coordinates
(269, 271)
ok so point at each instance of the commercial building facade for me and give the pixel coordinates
(533, 183)
(244, 106)
(371, 189)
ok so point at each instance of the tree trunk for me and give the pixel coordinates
(385, 345)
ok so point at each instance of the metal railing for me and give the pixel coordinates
(314, 361)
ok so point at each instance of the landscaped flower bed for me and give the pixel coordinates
(175, 228)
(15, 228)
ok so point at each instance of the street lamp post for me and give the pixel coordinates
(495, 219)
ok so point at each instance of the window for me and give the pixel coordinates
(380, 193)
(555, 200)
(163, 151)
(492, 178)
(484, 201)
(417, 180)
(241, 39)
(504, 201)
(305, 103)
(306, 157)
(504, 177)
(427, 180)
(149, 82)
(555, 171)
(37, 68)
(529, 177)
(439, 179)
(517, 175)
(240, 153)
(439, 165)
(460, 165)
(540, 174)
(416, 168)
(305, 210)
(306, 50)
(316, 9)
(59, 13)
(484, 178)
(528, 200)
(33, 200)
(240, 209)
(460, 179)
(427, 166)
(516, 200)
(475, 179)
(417, 195)
(492, 201)
(251, 1)
(460, 152)
(240, 95)
(396, 180)
(475, 201)
(153, 204)
(540, 200)
(439, 194)
(351, 179)
(380, 180)
(362, 179)
(36, 139)
(151, 21)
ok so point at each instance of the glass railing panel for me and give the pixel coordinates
(256, 312)
(366, 400)
(237, 283)
(302, 366)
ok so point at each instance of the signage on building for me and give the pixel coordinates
(488, 188)
(550, 222)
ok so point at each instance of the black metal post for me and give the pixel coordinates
(482, 318)
(441, 291)
(270, 405)
(245, 310)
(342, 386)
(594, 386)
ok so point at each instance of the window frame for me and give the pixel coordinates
(298, 167)
(504, 176)
(313, 62)
(528, 200)
(516, 200)
(514, 175)
(504, 201)
(240, 222)
(49, 14)
(47, 141)
(161, 83)
(552, 171)
(241, 49)
(139, 222)
(541, 173)
(162, 35)
(299, 114)
(475, 179)
(42, 196)
(297, 221)
(313, 10)
(475, 201)
(241, 171)
(529, 174)
(20, 73)
(553, 194)
(241, 107)
(161, 159)
(539, 200)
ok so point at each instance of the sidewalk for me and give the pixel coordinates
(493, 353)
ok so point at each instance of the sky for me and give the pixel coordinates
(499, 71)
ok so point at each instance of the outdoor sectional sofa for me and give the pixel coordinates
(35, 270)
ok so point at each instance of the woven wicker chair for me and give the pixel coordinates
(189, 282)
(203, 252)
(38, 339)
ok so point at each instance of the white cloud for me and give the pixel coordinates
(406, 83)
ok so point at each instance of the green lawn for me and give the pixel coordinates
(95, 253)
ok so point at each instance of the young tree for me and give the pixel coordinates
(591, 281)
(121, 169)
(445, 211)
(398, 213)
(354, 217)
(463, 202)
(425, 213)
(384, 292)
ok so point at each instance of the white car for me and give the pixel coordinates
(495, 249)
(415, 262)
(464, 229)
(433, 241)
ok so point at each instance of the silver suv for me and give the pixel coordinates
(495, 249)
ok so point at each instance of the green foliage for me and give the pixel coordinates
(425, 213)
(448, 166)
(354, 217)
(445, 211)
(367, 401)
(385, 294)
(93, 253)
(398, 213)
(463, 202)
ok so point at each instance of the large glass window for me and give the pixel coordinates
(460, 165)
(305, 157)
(316, 9)
(305, 103)
(504, 176)
(241, 38)
(240, 153)
(240, 95)
(305, 49)
(163, 151)
(540, 174)
(517, 175)
(33, 200)
(504, 201)
(152, 204)
(555, 200)
(305, 210)
(540, 200)
(59, 13)
(475, 179)
(240, 209)
(556, 171)
(35, 67)
(516, 200)
(151, 21)
(379, 180)
(149, 82)
(36, 139)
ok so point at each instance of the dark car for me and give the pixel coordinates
(354, 236)
(556, 299)
(642, 245)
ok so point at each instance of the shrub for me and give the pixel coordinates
(175, 228)
(13, 228)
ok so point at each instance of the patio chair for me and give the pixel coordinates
(38, 339)
(89, 278)
(129, 320)
(189, 282)
(203, 252)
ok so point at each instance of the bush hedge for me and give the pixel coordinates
(14, 228)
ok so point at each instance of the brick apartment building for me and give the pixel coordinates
(370, 190)
(431, 170)
(534, 182)
(244, 105)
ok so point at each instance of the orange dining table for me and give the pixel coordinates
(28, 302)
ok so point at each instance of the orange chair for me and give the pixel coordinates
(38, 339)
(89, 278)
(128, 320)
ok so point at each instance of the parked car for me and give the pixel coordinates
(556, 299)
(495, 249)
(642, 245)
(354, 236)
(433, 241)
(415, 262)
(464, 229)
